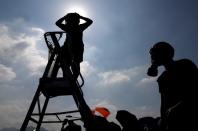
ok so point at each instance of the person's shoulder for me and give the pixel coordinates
(186, 66)
(186, 63)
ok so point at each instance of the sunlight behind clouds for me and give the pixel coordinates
(78, 9)
(72, 8)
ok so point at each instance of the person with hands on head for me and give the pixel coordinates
(73, 47)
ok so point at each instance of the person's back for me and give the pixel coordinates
(177, 85)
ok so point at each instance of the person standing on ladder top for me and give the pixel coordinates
(73, 47)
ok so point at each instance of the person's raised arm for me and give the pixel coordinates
(87, 23)
(60, 24)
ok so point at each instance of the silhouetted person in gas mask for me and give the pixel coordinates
(74, 47)
(177, 86)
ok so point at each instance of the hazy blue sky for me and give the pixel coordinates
(116, 51)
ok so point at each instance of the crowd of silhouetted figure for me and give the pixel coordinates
(127, 120)
(177, 87)
(177, 84)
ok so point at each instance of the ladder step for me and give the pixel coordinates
(56, 113)
(52, 87)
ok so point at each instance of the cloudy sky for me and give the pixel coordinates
(116, 51)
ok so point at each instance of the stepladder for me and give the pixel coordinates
(51, 86)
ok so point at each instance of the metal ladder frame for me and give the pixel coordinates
(51, 71)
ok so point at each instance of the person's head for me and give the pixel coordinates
(161, 53)
(126, 119)
(72, 18)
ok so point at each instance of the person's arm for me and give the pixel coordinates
(60, 24)
(175, 108)
(87, 23)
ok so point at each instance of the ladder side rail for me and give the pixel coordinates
(39, 106)
(55, 68)
(53, 64)
(31, 109)
(42, 114)
(54, 51)
(54, 74)
(84, 109)
(49, 64)
(55, 41)
(57, 49)
(37, 94)
(50, 34)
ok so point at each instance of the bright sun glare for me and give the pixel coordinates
(78, 10)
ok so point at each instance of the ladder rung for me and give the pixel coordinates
(52, 121)
(61, 121)
(56, 113)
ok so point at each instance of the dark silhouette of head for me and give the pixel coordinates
(161, 53)
(72, 18)
(127, 120)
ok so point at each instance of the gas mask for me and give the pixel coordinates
(152, 70)
(161, 52)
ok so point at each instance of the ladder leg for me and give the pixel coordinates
(42, 114)
(84, 109)
(31, 109)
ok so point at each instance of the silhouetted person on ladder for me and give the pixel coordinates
(73, 47)
(50, 85)
(177, 88)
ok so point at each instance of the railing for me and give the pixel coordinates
(52, 41)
